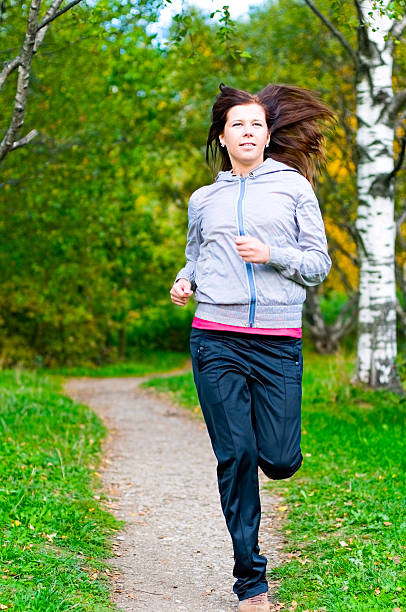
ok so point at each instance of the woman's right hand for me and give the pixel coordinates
(181, 292)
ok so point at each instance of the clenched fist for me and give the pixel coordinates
(181, 292)
(251, 249)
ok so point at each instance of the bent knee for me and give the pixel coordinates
(281, 469)
(242, 461)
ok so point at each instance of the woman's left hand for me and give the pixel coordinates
(251, 249)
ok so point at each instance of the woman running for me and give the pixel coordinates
(255, 240)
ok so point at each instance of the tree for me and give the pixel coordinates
(87, 238)
(379, 28)
(34, 35)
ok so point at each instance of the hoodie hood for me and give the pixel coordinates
(267, 166)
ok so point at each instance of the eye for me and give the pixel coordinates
(237, 123)
(258, 124)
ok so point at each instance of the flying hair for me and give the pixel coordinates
(296, 117)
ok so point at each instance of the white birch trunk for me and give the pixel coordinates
(375, 223)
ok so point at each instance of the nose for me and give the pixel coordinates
(247, 130)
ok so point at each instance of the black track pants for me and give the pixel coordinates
(250, 391)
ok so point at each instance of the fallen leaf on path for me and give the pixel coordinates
(209, 592)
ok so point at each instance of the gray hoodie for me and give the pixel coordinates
(277, 205)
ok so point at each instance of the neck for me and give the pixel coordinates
(240, 170)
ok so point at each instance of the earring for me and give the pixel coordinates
(267, 144)
(222, 144)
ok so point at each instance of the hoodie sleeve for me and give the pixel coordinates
(309, 263)
(194, 240)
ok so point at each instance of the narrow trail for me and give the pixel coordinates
(159, 473)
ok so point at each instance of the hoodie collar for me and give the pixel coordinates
(268, 165)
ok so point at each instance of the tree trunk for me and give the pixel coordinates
(375, 223)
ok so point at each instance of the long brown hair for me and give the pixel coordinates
(296, 117)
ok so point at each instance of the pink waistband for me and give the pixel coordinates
(296, 332)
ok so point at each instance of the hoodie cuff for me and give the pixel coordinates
(191, 280)
(279, 256)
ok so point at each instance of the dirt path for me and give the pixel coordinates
(159, 471)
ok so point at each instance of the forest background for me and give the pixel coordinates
(94, 210)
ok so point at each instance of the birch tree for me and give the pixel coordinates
(380, 27)
(34, 36)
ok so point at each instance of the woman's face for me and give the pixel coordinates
(245, 135)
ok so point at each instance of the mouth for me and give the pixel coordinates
(247, 145)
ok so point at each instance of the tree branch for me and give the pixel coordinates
(362, 27)
(398, 28)
(24, 68)
(401, 315)
(33, 38)
(327, 336)
(340, 324)
(334, 30)
(397, 103)
(49, 17)
(43, 26)
(399, 223)
(341, 272)
(399, 161)
(8, 69)
(353, 258)
(25, 140)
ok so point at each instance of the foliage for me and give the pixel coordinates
(94, 211)
(54, 527)
(180, 388)
(147, 362)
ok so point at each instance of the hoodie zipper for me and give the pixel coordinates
(248, 265)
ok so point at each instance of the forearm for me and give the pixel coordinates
(308, 268)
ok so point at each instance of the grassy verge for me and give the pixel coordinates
(146, 363)
(54, 529)
(345, 508)
(180, 388)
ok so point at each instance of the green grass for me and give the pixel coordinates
(345, 523)
(54, 530)
(146, 363)
(180, 388)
